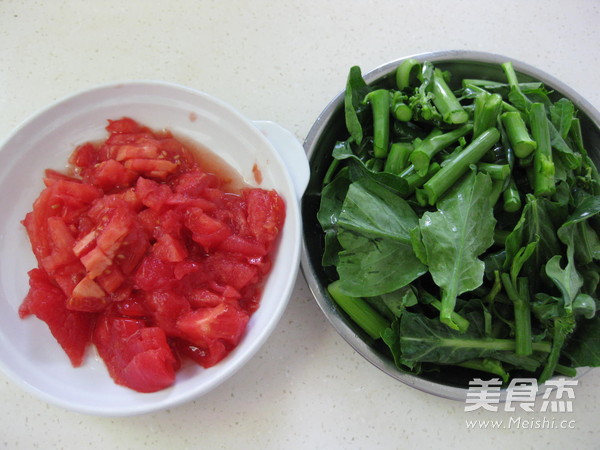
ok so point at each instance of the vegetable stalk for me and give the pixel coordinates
(461, 323)
(428, 147)
(397, 159)
(458, 166)
(359, 311)
(414, 180)
(399, 108)
(516, 95)
(446, 102)
(518, 135)
(543, 165)
(520, 298)
(407, 73)
(487, 109)
(495, 171)
(488, 365)
(380, 105)
(511, 197)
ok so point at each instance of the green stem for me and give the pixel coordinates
(488, 365)
(543, 165)
(446, 102)
(496, 192)
(500, 237)
(458, 166)
(565, 370)
(577, 136)
(399, 108)
(558, 340)
(430, 146)
(460, 321)
(511, 197)
(519, 99)
(496, 344)
(380, 105)
(397, 159)
(478, 90)
(331, 171)
(359, 311)
(414, 180)
(447, 307)
(489, 85)
(487, 109)
(520, 298)
(495, 171)
(518, 135)
(407, 73)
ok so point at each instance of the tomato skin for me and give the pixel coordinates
(149, 371)
(243, 245)
(133, 248)
(145, 255)
(195, 183)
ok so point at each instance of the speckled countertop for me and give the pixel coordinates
(284, 61)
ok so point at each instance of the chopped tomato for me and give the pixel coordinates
(136, 356)
(109, 175)
(166, 307)
(203, 326)
(144, 254)
(206, 230)
(124, 125)
(72, 329)
(266, 214)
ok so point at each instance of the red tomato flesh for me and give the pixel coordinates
(145, 254)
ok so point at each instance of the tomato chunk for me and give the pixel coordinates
(135, 355)
(266, 214)
(72, 329)
(221, 325)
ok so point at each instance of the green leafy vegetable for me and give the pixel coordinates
(427, 340)
(375, 226)
(356, 90)
(461, 226)
(455, 235)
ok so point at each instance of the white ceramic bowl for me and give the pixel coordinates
(28, 353)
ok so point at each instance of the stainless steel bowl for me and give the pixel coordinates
(330, 127)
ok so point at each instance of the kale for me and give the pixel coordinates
(463, 224)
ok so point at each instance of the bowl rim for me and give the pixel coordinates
(284, 291)
(320, 293)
